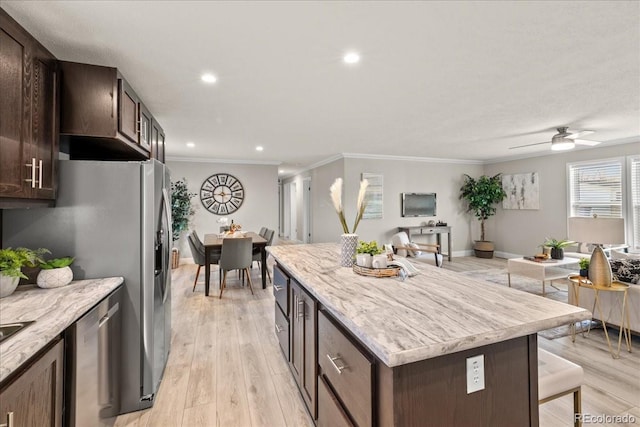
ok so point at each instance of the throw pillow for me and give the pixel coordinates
(626, 270)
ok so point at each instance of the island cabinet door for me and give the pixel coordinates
(303, 344)
(347, 371)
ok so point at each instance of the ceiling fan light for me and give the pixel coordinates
(561, 144)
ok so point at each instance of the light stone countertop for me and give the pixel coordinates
(435, 313)
(53, 311)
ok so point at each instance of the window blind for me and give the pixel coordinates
(596, 188)
(635, 200)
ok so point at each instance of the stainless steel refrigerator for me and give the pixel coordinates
(115, 218)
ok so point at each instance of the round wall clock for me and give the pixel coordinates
(222, 194)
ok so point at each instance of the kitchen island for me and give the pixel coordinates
(410, 341)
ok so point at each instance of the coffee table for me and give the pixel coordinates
(543, 271)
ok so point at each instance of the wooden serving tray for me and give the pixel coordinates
(376, 272)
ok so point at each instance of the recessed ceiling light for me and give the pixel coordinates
(259, 148)
(191, 144)
(209, 78)
(351, 58)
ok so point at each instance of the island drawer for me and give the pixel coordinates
(281, 289)
(330, 412)
(282, 331)
(346, 369)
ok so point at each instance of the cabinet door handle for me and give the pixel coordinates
(277, 288)
(335, 365)
(278, 330)
(300, 304)
(40, 174)
(9, 422)
(33, 177)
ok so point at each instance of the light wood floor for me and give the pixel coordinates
(225, 367)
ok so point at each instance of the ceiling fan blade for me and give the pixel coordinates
(586, 142)
(578, 134)
(529, 145)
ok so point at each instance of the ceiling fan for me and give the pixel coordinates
(565, 140)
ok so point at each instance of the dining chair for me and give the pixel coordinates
(257, 253)
(262, 231)
(197, 251)
(236, 255)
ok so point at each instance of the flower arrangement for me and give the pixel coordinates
(336, 197)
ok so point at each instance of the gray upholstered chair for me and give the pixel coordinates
(197, 251)
(236, 255)
(257, 253)
(262, 231)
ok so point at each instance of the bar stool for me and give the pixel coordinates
(558, 377)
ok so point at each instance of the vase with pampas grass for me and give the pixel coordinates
(348, 240)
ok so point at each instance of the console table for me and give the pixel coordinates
(438, 231)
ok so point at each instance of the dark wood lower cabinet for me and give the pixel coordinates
(35, 396)
(330, 412)
(302, 347)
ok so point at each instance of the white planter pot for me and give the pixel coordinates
(7, 285)
(54, 278)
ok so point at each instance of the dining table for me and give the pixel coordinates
(214, 241)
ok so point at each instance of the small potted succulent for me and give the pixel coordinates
(584, 267)
(55, 273)
(365, 252)
(11, 263)
(557, 246)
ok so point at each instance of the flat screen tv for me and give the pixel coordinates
(418, 204)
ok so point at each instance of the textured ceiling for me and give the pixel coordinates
(454, 80)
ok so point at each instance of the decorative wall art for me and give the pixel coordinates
(373, 196)
(523, 191)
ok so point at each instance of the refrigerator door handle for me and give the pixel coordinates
(167, 240)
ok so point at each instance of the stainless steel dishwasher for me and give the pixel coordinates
(92, 370)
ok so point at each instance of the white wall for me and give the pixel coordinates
(400, 176)
(260, 206)
(521, 231)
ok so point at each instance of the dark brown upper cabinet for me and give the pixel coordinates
(157, 141)
(145, 126)
(29, 144)
(101, 115)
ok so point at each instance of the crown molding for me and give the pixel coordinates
(411, 159)
(228, 161)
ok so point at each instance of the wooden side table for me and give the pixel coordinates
(578, 282)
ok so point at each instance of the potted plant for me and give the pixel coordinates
(365, 252)
(11, 263)
(557, 246)
(55, 273)
(584, 267)
(181, 210)
(482, 195)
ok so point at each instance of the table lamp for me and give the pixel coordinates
(598, 231)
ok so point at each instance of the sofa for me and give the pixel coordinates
(625, 270)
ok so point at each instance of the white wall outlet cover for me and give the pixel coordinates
(475, 374)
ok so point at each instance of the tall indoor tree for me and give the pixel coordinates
(482, 195)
